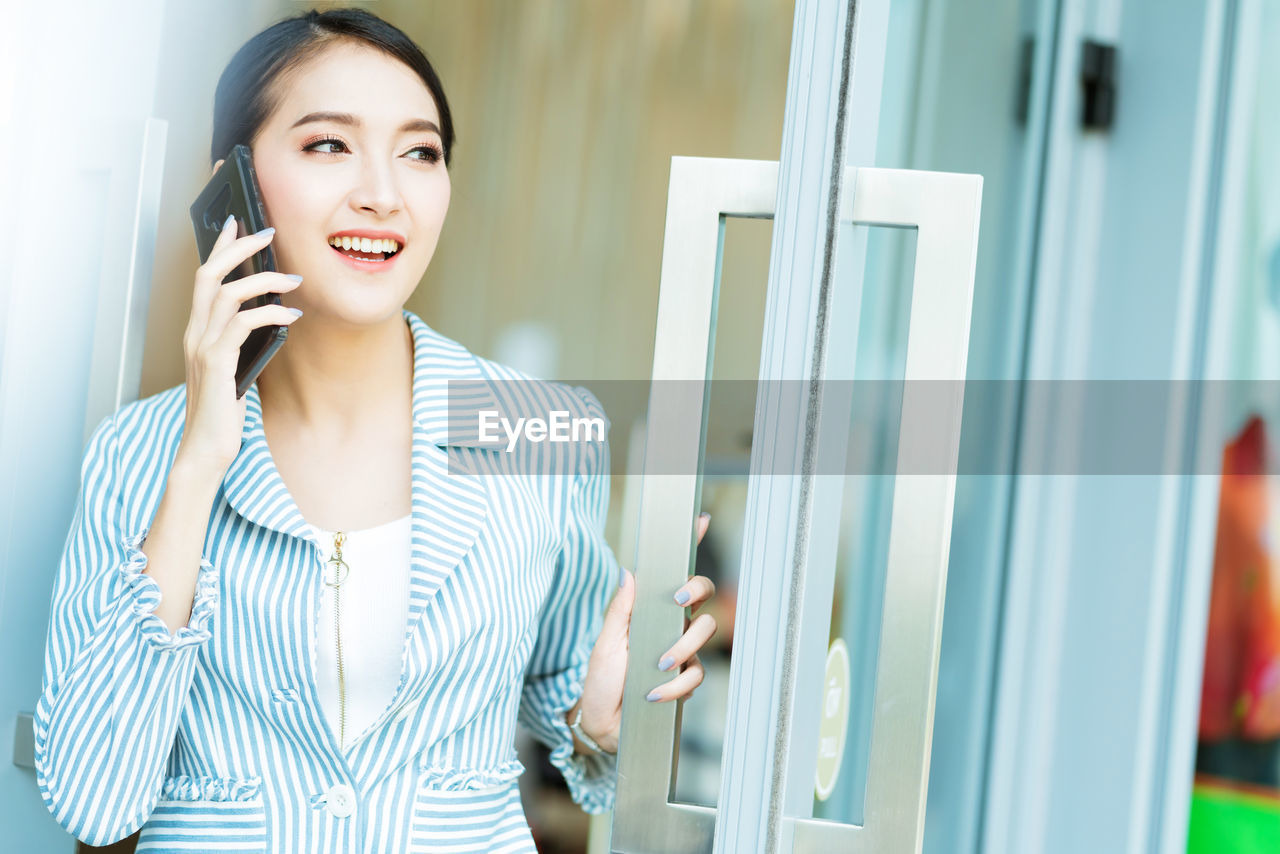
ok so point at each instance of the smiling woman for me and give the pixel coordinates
(310, 618)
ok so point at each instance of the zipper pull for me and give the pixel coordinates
(340, 568)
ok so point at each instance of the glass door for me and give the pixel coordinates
(822, 199)
(1122, 156)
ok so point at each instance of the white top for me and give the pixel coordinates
(374, 602)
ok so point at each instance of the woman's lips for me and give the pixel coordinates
(368, 266)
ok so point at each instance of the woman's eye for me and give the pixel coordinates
(315, 145)
(431, 153)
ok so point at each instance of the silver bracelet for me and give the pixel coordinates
(590, 742)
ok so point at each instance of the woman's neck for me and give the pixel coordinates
(333, 381)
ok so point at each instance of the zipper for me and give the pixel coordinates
(341, 570)
(340, 573)
(393, 708)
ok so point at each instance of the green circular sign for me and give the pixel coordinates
(835, 718)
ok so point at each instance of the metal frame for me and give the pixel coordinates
(703, 192)
(945, 210)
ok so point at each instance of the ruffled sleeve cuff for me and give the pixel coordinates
(219, 789)
(143, 594)
(592, 778)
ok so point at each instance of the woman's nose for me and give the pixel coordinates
(377, 191)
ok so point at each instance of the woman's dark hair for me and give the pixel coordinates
(249, 89)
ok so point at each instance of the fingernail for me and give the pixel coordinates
(293, 276)
(297, 312)
(683, 597)
(622, 577)
(666, 662)
(266, 232)
(227, 224)
(653, 696)
(704, 514)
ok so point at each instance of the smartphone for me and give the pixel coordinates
(233, 191)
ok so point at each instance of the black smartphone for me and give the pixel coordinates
(233, 191)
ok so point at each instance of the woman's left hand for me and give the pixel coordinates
(601, 699)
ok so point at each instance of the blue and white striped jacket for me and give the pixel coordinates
(213, 739)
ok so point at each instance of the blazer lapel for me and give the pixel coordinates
(450, 502)
(253, 486)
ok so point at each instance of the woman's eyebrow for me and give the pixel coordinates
(348, 119)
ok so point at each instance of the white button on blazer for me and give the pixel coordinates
(213, 739)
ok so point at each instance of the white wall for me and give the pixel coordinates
(82, 87)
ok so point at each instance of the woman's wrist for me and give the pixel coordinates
(593, 743)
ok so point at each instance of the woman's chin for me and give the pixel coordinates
(358, 304)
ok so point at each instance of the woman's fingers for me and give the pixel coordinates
(232, 295)
(681, 686)
(691, 594)
(695, 591)
(223, 258)
(615, 632)
(699, 632)
(240, 291)
(238, 328)
(205, 284)
(698, 589)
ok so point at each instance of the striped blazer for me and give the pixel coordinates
(213, 739)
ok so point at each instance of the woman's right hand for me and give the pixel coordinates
(211, 344)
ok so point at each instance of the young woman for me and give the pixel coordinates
(309, 619)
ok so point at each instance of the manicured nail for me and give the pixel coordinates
(653, 696)
(230, 220)
(666, 662)
(297, 312)
(266, 232)
(704, 514)
(293, 276)
(622, 577)
(683, 597)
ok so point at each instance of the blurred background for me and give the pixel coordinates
(1110, 672)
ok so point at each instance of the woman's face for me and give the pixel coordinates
(354, 149)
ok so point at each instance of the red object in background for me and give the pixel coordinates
(1240, 697)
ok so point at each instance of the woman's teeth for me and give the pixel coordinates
(364, 244)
